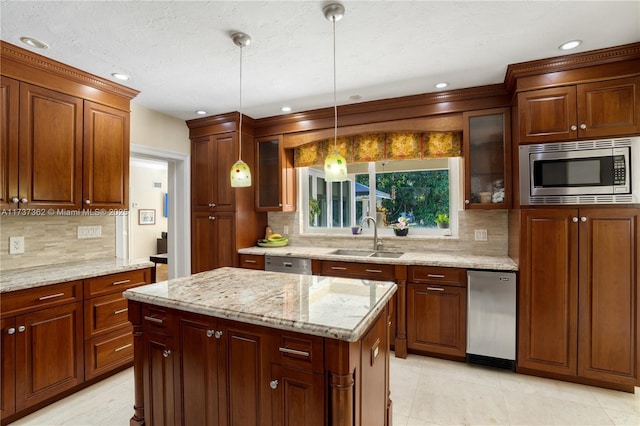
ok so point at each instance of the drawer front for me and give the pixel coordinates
(35, 299)
(107, 352)
(116, 283)
(104, 314)
(157, 319)
(299, 351)
(369, 271)
(252, 261)
(436, 274)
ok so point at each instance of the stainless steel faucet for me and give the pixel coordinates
(375, 230)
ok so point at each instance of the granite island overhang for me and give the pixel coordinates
(276, 347)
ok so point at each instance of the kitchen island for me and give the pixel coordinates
(244, 347)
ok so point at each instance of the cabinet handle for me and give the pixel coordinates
(294, 352)
(15, 200)
(121, 348)
(24, 200)
(435, 288)
(212, 218)
(287, 264)
(210, 333)
(212, 204)
(120, 311)
(583, 126)
(166, 353)
(218, 334)
(11, 330)
(574, 219)
(273, 384)
(583, 218)
(435, 275)
(574, 127)
(374, 271)
(338, 268)
(154, 320)
(120, 282)
(51, 296)
(21, 329)
(249, 261)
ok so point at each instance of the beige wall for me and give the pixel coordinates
(53, 239)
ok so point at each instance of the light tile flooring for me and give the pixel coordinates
(425, 391)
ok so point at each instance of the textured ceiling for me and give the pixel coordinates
(181, 57)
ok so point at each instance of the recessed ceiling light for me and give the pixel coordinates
(120, 76)
(441, 85)
(33, 42)
(285, 109)
(201, 112)
(570, 45)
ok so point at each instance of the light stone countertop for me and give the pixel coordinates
(338, 308)
(447, 259)
(24, 278)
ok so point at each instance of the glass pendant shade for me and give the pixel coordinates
(240, 175)
(335, 167)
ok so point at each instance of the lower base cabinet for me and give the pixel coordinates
(202, 370)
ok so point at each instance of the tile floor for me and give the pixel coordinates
(425, 391)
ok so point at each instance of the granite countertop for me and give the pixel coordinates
(24, 278)
(338, 308)
(451, 260)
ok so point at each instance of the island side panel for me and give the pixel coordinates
(400, 342)
(135, 317)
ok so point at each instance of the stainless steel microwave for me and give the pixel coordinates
(582, 172)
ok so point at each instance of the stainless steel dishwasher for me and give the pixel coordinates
(293, 265)
(491, 318)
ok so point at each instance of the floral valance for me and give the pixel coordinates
(382, 146)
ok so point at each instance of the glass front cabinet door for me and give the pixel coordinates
(275, 176)
(487, 159)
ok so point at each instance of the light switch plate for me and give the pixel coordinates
(16, 245)
(480, 234)
(89, 232)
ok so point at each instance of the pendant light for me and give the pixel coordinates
(335, 165)
(240, 172)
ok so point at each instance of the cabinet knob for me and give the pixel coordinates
(15, 200)
(273, 384)
(212, 218)
(24, 200)
(218, 334)
(467, 202)
(583, 126)
(11, 330)
(574, 219)
(210, 333)
(279, 204)
(583, 219)
(21, 329)
(574, 127)
(87, 202)
(212, 204)
(166, 353)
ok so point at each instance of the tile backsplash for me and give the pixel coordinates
(494, 221)
(54, 239)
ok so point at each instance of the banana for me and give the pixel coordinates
(275, 237)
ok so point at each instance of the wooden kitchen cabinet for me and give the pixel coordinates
(213, 240)
(275, 176)
(487, 157)
(297, 397)
(211, 161)
(251, 261)
(437, 311)
(159, 386)
(578, 296)
(9, 113)
(584, 111)
(8, 367)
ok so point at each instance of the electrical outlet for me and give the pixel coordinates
(480, 234)
(16, 245)
(285, 229)
(89, 232)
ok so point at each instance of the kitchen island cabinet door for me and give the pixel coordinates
(49, 353)
(609, 296)
(548, 308)
(158, 379)
(9, 113)
(297, 397)
(8, 367)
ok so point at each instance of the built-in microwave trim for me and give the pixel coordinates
(630, 146)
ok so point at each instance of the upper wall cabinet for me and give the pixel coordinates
(487, 154)
(583, 111)
(211, 161)
(275, 176)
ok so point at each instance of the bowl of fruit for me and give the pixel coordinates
(273, 240)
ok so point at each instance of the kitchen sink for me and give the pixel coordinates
(366, 253)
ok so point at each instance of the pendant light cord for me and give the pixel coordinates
(240, 124)
(335, 104)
